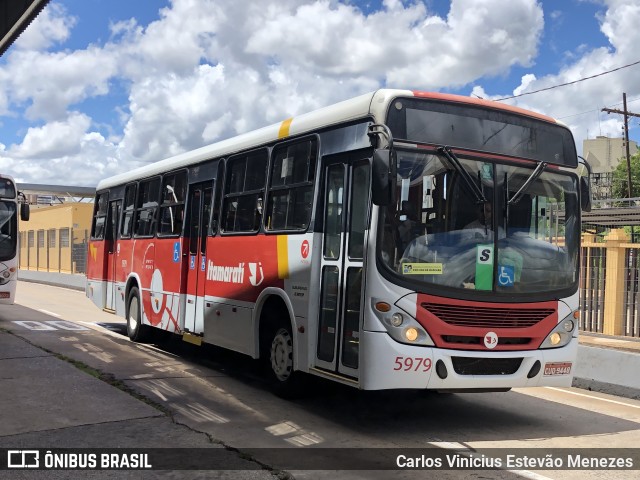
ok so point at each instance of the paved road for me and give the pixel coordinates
(223, 395)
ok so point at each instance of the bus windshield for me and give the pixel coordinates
(8, 228)
(439, 233)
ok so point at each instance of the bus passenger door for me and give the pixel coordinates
(198, 215)
(113, 251)
(346, 214)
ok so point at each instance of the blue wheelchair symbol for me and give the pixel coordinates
(202, 264)
(176, 251)
(192, 264)
(506, 276)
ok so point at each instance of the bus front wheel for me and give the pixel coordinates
(282, 354)
(136, 331)
(287, 382)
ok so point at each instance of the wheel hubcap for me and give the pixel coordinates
(133, 315)
(282, 355)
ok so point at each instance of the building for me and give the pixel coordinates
(55, 238)
(604, 154)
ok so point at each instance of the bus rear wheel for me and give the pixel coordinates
(136, 331)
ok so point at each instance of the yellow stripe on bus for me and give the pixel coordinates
(283, 257)
(284, 128)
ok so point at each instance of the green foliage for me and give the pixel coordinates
(620, 187)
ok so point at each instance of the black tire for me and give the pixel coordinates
(287, 383)
(136, 331)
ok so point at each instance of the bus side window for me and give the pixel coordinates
(174, 187)
(146, 207)
(100, 216)
(217, 200)
(129, 210)
(244, 192)
(291, 186)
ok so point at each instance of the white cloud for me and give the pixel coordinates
(579, 104)
(60, 80)
(63, 153)
(210, 69)
(50, 26)
(54, 138)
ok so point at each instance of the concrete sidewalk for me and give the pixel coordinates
(47, 402)
(67, 280)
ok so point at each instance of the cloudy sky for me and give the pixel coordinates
(96, 87)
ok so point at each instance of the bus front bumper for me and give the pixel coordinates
(387, 364)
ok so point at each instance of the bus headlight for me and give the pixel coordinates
(401, 326)
(561, 334)
(397, 319)
(411, 334)
(5, 276)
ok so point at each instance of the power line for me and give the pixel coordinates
(570, 83)
(595, 110)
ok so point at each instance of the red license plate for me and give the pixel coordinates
(559, 368)
(4, 295)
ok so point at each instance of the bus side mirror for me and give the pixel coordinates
(24, 212)
(383, 177)
(584, 172)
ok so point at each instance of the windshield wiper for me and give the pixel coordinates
(453, 160)
(532, 178)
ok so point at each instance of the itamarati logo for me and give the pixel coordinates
(230, 274)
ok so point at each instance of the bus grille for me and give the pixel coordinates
(471, 340)
(485, 366)
(468, 316)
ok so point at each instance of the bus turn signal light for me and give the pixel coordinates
(383, 307)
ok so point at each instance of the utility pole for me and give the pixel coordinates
(626, 114)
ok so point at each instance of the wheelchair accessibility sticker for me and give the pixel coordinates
(506, 275)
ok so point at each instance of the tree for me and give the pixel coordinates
(620, 182)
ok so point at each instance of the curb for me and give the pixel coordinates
(64, 280)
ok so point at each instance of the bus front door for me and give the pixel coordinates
(346, 217)
(198, 215)
(113, 253)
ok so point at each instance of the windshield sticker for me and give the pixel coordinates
(422, 269)
(506, 276)
(484, 267)
(428, 184)
(487, 171)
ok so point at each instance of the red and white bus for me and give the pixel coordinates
(9, 237)
(356, 243)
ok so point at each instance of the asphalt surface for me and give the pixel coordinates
(50, 402)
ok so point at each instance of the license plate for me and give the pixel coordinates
(4, 295)
(560, 368)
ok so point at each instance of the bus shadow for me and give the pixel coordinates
(421, 414)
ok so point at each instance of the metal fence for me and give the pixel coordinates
(61, 250)
(631, 298)
(610, 285)
(592, 287)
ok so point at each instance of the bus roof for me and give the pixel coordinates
(374, 103)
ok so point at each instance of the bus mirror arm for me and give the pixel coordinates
(383, 168)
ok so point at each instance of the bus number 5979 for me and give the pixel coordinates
(417, 364)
